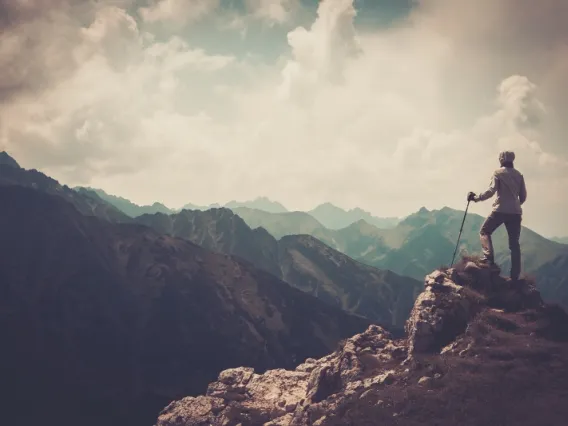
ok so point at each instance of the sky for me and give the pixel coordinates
(386, 105)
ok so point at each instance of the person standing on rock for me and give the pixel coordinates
(509, 185)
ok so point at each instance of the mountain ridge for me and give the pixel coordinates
(333, 217)
(126, 206)
(7, 160)
(301, 260)
(87, 203)
(108, 322)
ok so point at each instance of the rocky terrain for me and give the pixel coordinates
(301, 260)
(480, 350)
(104, 324)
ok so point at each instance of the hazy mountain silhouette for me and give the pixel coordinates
(126, 206)
(104, 324)
(279, 224)
(562, 240)
(419, 243)
(302, 261)
(426, 240)
(333, 217)
(133, 210)
(260, 203)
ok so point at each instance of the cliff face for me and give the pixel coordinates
(479, 350)
(105, 323)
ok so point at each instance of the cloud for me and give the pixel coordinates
(491, 40)
(273, 11)
(99, 106)
(178, 11)
(387, 119)
(320, 54)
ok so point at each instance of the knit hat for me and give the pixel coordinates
(507, 157)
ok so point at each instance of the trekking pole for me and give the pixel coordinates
(459, 236)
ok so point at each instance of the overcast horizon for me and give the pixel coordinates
(385, 105)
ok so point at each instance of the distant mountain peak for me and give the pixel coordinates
(334, 217)
(7, 160)
(260, 203)
(328, 206)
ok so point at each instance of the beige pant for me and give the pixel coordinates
(513, 224)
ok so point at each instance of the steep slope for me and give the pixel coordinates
(259, 203)
(302, 261)
(222, 231)
(478, 352)
(425, 240)
(335, 278)
(126, 206)
(87, 204)
(334, 217)
(279, 224)
(553, 280)
(6, 160)
(562, 240)
(105, 323)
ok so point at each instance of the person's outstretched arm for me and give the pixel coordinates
(523, 191)
(491, 191)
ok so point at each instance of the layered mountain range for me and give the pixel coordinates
(325, 215)
(105, 323)
(300, 260)
(423, 241)
(126, 206)
(108, 315)
(411, 246)
(105, 320)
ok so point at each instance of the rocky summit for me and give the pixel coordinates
(480, 350)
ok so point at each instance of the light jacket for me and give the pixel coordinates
(509, 185)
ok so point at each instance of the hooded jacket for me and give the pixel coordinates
(509, 185)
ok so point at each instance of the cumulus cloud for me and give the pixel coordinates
(491, 40)
(99, 106)
(320, 54)
(386, 119)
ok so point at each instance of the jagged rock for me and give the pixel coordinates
(371, 378)
(440, 313)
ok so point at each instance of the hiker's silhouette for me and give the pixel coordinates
(509, 185)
